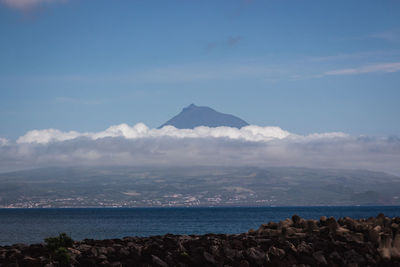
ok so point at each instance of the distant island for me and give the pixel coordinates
(120, 186)
(194, 116)
(195, 186)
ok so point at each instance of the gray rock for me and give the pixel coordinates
(74, 251)
(244, 263)
(32, 262)
(323, 220)
(319, 257)
(352, 256)
(83, 247)
(110, 250)
(256, 255)
(332, 224)
(374, 234)
(215, 250)
(252, 232)
(102, 250)
(305, 248)
(94, 251)
(209, 258)
(296, 219)
(124, 251)
(105, 263)
(229, 253)
(158, 262)
(291, 247)
(116, 264)
(102, 257)
(312, 225)
(274, 252)
(335, 257)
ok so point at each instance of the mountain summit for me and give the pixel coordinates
(193, 116)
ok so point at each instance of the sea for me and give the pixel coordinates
(33, 225)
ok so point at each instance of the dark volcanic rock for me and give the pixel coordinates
(292, 242)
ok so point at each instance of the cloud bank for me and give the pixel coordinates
(252, 145)
(140, 130)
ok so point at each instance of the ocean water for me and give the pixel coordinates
(33, 225)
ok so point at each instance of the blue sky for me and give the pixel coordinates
(306, 66)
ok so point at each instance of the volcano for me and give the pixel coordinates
(193, 116)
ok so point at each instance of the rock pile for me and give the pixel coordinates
(293, 242)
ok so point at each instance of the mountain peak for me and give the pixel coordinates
(193, 116)
(191, 106)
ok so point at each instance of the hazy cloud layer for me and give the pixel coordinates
(383, 67)
(249, 146)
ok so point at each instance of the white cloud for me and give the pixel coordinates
(249, 133)
(26, 4)
(3, 141)
(327, 135)
(47, 136)
(252, 145)
(382, 67)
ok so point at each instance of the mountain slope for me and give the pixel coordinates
(193, 116)
(195, 186)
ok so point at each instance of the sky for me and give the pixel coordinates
(306, 66)
(310, 68)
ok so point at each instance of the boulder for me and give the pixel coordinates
(31, 262)
(320, 258)
(374, 234)
(336, 258)
(274, 252)
(332, 224)
(304, 248)
(158, 262)
(244, 263)
(352, 257)
(322, 220)
(256, 256)
(209, 258)
(395, 251)
(296, 220)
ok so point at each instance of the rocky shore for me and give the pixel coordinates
(293, 242)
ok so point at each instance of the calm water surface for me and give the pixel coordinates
(32, 225)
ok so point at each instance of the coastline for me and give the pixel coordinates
(31, 226)
(344, 242)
